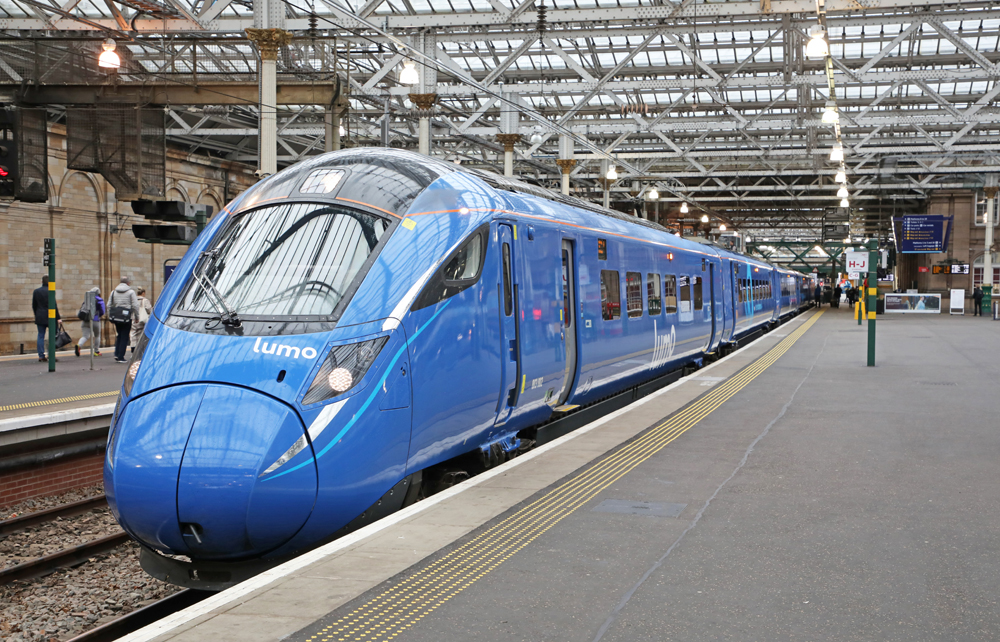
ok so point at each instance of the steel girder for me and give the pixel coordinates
(712, 102)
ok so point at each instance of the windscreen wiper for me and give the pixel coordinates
(227, 315)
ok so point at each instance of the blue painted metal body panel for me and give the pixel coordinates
(202, 434)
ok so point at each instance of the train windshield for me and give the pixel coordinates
(293, 260)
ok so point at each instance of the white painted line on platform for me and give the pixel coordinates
(231, 595)
(57, 417)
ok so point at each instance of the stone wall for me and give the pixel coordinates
(94, 242)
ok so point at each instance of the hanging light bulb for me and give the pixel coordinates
(704, 218)
(409, 75)
(536, 136)
(831, 116)
(653, 194)
(845, 203)
(612, 174)
(842, 192)
(684, 208)
(722, 227)
(837, 153)
(108, 58)
(841, 177)
(817, 47)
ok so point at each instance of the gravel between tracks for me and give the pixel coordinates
(70, 601)
(53, 536)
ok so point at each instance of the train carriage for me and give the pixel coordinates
(360, 319)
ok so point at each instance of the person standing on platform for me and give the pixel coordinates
(124, 308)
(85, 329)
(835, 301)
(819, 295)
(977, 301)
(145, 309)
(40, 306)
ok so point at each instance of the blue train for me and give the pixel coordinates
(346, 328)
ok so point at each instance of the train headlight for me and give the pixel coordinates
(134, 364)
(344, 367)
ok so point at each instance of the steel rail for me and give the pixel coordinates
(66, 557)
(21, 522)
(139, 618)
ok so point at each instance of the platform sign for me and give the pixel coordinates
(856, 262)
(922, 234)
(956, 304)
(955, 268)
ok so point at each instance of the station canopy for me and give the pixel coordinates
(714, 103)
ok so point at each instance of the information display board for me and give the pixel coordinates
(922, 234)
(957, 268)
(913, 303)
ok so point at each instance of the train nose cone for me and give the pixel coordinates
(188, 465)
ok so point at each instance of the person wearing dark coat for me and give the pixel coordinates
(977, 301)
(835, 302)
(819, 295)
(40, 306)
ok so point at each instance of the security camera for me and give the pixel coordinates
(261, 174)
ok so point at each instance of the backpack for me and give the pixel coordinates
(84, 313)
(119, 313)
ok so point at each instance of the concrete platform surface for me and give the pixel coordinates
(28, 388)
(786, 493)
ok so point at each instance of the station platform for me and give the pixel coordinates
(786, 492)
(37, 404)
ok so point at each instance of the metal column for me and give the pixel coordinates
(268, 35)
(987, 305)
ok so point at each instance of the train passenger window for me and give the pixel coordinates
(696, 281)
(508, 297)
(611, 307)
(633, 294)
(653, 293)
(685, 295)
(669, 293)
(460, 271)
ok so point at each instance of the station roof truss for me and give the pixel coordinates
(712, 102)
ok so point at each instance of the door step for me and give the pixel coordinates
(566, 407)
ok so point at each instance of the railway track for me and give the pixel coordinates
(139, 618)
(66, 510)
(67, 557)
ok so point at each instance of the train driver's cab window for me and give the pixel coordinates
(460, 271)
(611, 307)
(653, 293)
(669, 293)
(633, 294)
(696, 282)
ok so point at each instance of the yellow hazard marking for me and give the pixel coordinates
(52, 314)
(515, 232)
(524, 379)
(49, 402)
(52, 285)
(409, 223)
(871, 315)
(872, 290)
(400, 607)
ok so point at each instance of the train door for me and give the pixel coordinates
(509, 327)
(712, 305)
(568, 323)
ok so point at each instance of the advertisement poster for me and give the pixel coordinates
(913, 303)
